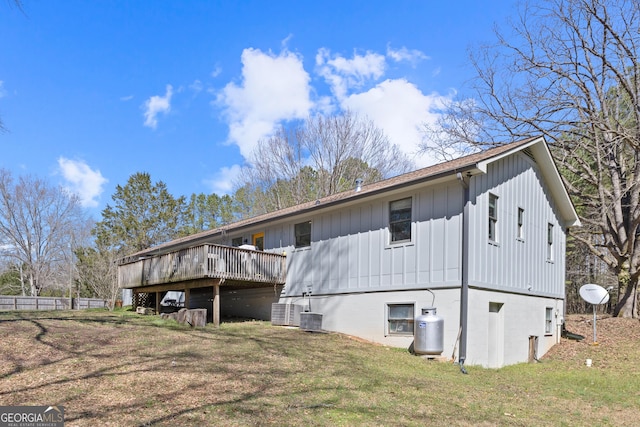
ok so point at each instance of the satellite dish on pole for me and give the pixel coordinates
(595, 295)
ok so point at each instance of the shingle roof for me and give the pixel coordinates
(421, 175)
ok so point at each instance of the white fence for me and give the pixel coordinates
(16, 302)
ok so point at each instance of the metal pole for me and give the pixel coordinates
(70, 277)
(595, 341)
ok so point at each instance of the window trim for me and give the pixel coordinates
(548, 321)
(255, 240)
(492, 232)
(550, 241)
(520, 220)
(410, 220)
(388, 330)
(296, 243)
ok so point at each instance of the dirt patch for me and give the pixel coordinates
(612, 335)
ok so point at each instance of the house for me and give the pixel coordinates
(481, 238)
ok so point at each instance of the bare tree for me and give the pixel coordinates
(98, 271)
(275, 171)
(568, 69)
(37, 226)
(335, 141)
(323, 156)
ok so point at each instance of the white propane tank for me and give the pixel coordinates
(429, 333)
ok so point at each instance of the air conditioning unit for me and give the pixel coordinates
(311, 322)
(285, 314)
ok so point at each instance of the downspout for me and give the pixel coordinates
(464, 289)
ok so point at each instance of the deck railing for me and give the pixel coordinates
(204, 261)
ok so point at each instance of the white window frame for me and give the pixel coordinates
(391, 329)
(548, 320)
(520, 220)
(549, 241)
(492, 233)
(391, 222)
(296, 235)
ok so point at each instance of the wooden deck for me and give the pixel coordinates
(206, 261)
(201, 266)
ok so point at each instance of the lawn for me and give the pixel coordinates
(123, 369)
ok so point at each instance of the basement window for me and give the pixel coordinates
(400, 318)
(548, 320)
(303, 234)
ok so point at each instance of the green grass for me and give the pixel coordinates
(123, 369)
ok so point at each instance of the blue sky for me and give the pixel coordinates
(95, 91)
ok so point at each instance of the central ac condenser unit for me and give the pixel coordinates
(285, 314)
(311, 322)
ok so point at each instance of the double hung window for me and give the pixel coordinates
(493, 217)
(302, 232)
(400, 220)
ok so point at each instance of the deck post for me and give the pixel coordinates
(187, 296)
(216, 304)
(157, 302)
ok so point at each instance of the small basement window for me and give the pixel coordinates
(548, 320)
(400, 318)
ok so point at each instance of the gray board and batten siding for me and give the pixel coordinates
(513, 262)
(351, 252)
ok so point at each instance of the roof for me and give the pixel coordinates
(473, 163)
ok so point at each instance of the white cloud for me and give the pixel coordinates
(126, 98)
(216, 71)
(156, 105)
(3, 92)
(83, 181)
(399, 108)
(274, 88)
(196, 86)
(344, 74)
(223, 181)
(412, 56)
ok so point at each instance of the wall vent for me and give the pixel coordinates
(311, 322)
(285, 314)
